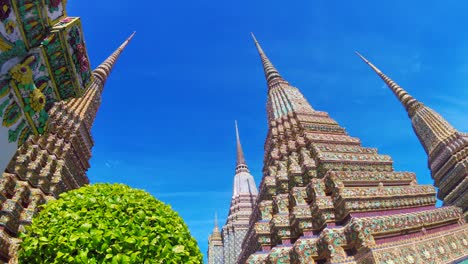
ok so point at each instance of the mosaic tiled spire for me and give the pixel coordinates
(408, 102)
(47, 165)
(271, 74)
(215, 245)
(102, 71)
(325, 198)
(241, 165)
(87, 108)
(447, 149)
(216, 235)
(243, 200)
(216, 228)
(284, 100)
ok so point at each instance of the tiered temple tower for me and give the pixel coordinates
(326, 199)
(43, 60)
(47, 165)
(446, 148)
(242, 202)
(215, 245)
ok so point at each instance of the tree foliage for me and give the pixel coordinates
(108, 223)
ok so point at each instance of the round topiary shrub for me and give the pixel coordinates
(108, 223)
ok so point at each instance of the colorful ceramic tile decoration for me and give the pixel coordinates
(49, 97)
(324, 198)
(446, 148)
(47, 164)
(225, 246)
(66, 52)
(43, 60)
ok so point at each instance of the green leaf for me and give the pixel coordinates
(85, 227)
(130, 240)
(178, 249)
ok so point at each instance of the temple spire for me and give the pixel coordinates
(86, 105)
(102, 71)
(430, 127)
(240, 152)
(241, 165)
(216, 228)
(408, 102)
(216, 234)
(271, 74)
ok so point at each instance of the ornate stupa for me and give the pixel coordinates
(446, 148)
(324, 198)
(46, 62)
(244, 195)
(242, 202)
(215, 245)
(43, 59)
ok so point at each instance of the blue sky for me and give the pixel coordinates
(166, 123)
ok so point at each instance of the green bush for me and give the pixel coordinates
(108, 223)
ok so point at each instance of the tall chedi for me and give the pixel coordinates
(46, 165)
(43, 60)
(242, 202)
(215, 245)
(326, 199)
(446, 148)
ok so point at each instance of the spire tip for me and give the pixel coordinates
(377, 70)
(271, 74)
(408, 102)
(131, 36)
(362, 57)
(240, 153)
(103, 70)
(253, 36)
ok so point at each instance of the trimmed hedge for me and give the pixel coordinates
(108, 223)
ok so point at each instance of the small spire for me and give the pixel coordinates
(241, 165)
(403, 96)
(271, 74)
(216, 234)
(216, 221)
(240, 152)
(102, 71)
